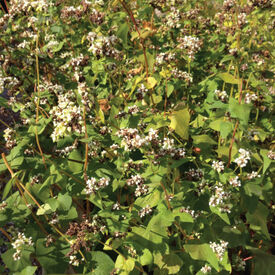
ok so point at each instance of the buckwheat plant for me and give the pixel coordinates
(133, 133)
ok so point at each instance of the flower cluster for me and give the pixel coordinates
(220, 198)
(165, 58)
(253, 175)
(138, 182)
(221, 95)
(193, 174)
(271, 155)
(250, 97)
(167, 149)
(235, 182)
(9, 136)
(74, 261)
(103, 46)
(243, 158)
(3, 205)
(206, 269)
(191, 44)
(80, 232)
(190, 211)
(218, 166)
(182, 75)
(238, 263)
(67, 116)
(18, 244)
(131, 139)
(93, 185)
(145, 211)
(219, 248)
(173, 18)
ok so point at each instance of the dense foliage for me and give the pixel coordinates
(143, 138)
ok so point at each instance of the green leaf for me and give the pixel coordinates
(123, 33)
(126, 265)
(202, 252)
(168, 264)
(44, 209)
(240, 111)
(170, 89)
(223, 216)
(65, 201)
(267, 160)
(146, 258)
(258, 219)
(104, 264)
(203, 139)
(158, 225)
(180, 122)
(75, 159)
(228, 78)
(264, 263)
(29, 270)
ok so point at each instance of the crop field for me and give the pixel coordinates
(137, 137)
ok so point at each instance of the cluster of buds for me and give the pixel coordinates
(190, 211)
(191, 44)
(19, 243)
(54, 219)
(35, 179)
(194, 175)
(220, 198)
(271, 155)
(238, 263)
(219, 248)
(253, 175)
(145, 211)
(94, 148)
(67, 150)
(218, 166)
(9, 136)
(222, 95)
(141, 92)
(74, 261)
(93, 185)
(165, 58)
(102, 46)
(243, 158)
(136, 166)
(131, 251)
(80, 231)
(168, 149)
(116, 206)
(138, 182)
(182, 75)
(3, 205)
(97, 17)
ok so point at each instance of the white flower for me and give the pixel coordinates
(218, 166)
(219, 249)
(243, 158)
(145, 211)
(235, 182)
(205, 269)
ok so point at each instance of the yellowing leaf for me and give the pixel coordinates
(151, 82)
(180, 122)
